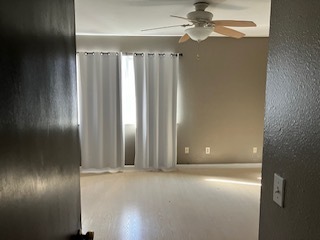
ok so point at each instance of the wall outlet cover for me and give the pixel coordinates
(255, 150)
(186, 150)
(207, 150)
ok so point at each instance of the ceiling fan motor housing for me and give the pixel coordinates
(200, 14)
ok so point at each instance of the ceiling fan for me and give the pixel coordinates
(201, 25)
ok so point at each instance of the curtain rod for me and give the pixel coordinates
(152, 54)
(136, 54)
(101, 53)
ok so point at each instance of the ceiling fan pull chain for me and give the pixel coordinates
(198, 53)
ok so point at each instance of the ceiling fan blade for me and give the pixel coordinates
(184, 18)
(228, 32)
(151, 29)
(180, 17)
(184, 38)
(234, 23)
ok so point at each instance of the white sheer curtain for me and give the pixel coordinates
(101, 129)
(156, 77)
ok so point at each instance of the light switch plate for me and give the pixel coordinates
(278, 190)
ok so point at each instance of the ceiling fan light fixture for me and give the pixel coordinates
(199, 34)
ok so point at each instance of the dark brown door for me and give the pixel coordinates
(39, 146)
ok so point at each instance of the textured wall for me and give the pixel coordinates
(221, 98)
(39, 150)
(292, 122)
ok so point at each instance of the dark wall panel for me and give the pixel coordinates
(39, 147)
(292, 122)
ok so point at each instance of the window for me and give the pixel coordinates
(128, 90)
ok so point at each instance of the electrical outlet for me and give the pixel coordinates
(186, 150)
(207, 150)
(278, 190)
(255, 150)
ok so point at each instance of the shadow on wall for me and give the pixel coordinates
(130, 133)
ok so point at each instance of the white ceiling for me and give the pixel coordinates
(129, 17)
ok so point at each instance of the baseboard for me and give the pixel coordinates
(131, 168)
(221, 165)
